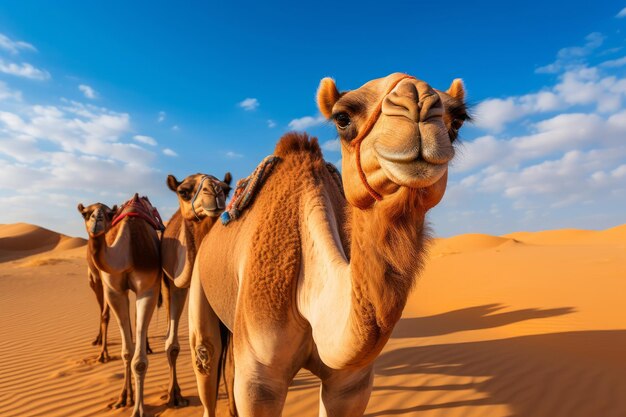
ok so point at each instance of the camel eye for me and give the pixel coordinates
(184, 194)
(342, 120)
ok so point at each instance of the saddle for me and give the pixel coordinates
(247, 188)
(142, 208)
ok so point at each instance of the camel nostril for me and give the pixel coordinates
(402, 103)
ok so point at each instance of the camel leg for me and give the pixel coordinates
(346, 393)
(228, 372)
(260, 390)
(146, 303)
(172, 347)
(104, 327)
(119, 304)
(95, 283)
(206, 345)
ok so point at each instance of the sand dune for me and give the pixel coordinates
(525, 325)
(21, 240)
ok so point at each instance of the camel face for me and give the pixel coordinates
(200, 195)
(395, 132)
(97, 218)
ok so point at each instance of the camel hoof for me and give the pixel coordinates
(104, 357)
(175, 399)
(124, 400)
(119, 403)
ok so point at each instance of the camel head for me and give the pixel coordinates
(97, 218)
(200, 195)
(395, 132)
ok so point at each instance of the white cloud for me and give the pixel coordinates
(24, 70)
(249, 104)
(579, 86)
(7, 93)
(88, 91)
(306, 122)
(175, 128)
(332, 145)
(161, 117)
(573, 55)
(554, 158)
(233, 155)
(271, 124)
(148, 140)
(622, 13)
(169, 152)
(14, 47)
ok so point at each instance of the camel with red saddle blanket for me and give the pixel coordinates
(124, 249)
(308, 278)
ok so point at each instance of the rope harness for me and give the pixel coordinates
(142, 208)
(215, 184)
(367, 128)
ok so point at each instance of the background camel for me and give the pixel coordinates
(127, 257)
(179, 245)
(308, 278)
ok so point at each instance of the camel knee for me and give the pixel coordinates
(172, 349)
(205, 354)
(140, 366)
(262, 393)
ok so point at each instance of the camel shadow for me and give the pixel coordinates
(472, 318)
(573, 374)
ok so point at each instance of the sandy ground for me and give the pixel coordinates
(526, 325)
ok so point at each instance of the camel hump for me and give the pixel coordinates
(295, 142)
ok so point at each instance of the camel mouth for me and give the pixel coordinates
(212, 208)
(415, 174)
(403, 163)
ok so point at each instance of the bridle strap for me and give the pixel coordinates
(195, 196)
(367, 128)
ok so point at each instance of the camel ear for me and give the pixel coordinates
(172, 182)
(457, 90)
(112, 212)
(80, 208)
(327, 96)
(228, 178)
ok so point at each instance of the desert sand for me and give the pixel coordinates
(526, 325)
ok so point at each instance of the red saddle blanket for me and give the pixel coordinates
(139, 207)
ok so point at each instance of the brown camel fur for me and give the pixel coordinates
(308, 278)
(127, 257)
(179, 244)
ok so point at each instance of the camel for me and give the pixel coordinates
(201, 199)
(308, 278)
(127, 257)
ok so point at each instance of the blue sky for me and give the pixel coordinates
(99, 100)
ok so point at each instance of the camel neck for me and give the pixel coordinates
(385, 257)
(195, 231)
(111, 258)
(353, 295)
